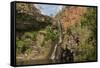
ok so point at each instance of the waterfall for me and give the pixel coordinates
(55, 53)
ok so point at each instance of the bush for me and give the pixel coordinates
(86, 50)
(24, 44)
(50, 34)
(30, 35)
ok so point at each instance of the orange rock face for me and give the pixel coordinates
(71, 16)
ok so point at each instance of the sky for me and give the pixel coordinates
(48, 9)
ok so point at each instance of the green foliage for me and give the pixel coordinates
(19, 46)
(24, 44)
(86, 30)
(24, 17)
(85, 52)
(89, 19)
(50, 34)
(30, 35)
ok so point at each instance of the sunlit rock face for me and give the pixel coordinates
(70, 15)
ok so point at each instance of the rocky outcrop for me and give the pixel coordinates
(77, 23)
(71, 15)
(29, 17)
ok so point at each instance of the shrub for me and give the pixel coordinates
(86, 50)
(50, 34)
